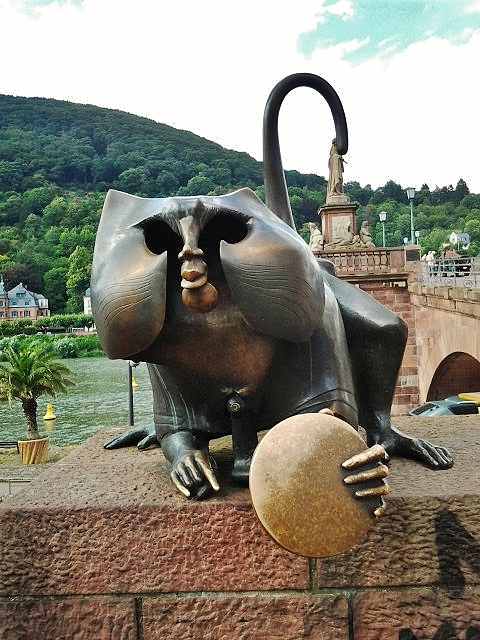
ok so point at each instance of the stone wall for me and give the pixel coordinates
(384, 273)
(396, 297)
(100, 546)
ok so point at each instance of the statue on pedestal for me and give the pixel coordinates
(335, 171)
(335, 193)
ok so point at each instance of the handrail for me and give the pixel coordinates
(452, 272)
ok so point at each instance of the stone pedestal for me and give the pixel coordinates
(100, 546)
(336, 216)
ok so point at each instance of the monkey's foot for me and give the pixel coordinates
(397, 443)
(143, 437)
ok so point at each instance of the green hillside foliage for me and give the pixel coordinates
(58, 160)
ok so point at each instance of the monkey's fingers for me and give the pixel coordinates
(372, 454)
(380, 471)
(380, 490)
(379, 511)
(133, 437)
(179, 485)
(205, 467)
(148, 441)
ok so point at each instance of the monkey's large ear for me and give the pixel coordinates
(275, 280)
(128, 283)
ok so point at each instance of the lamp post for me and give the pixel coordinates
(405, 241)
(383, 216)
(130, 366)
(417, 233)
(410, 196)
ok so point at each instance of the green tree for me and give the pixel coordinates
(28, 372)
(198, 184)
(78, 278)
(55, 286)
(472, 201)
(39, 197)
(166, 183)
(358, 193)
(22, 273)
(472, 227)
(423, 196)
(461, 190)
(55, 211)
(434, 240)
(136, 181)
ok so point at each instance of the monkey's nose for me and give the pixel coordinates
(194, 273)
(187, 253)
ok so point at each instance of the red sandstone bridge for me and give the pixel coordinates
(441, 306)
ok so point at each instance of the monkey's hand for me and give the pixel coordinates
(192, 471)
(369, 469)
(143, 437)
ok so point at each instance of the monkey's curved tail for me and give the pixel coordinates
(276, 194)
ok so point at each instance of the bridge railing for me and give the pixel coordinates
(390, 262)
(452, 272)
(373, 261)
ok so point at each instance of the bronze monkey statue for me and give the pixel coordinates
(240, 325)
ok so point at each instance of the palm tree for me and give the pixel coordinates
(28, 372)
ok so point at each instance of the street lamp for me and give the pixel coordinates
(130, 367)
(405, 241)
(383, 216)
(417, 233)
(410, 196)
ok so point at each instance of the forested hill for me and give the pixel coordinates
(92, 148)
(58, 159)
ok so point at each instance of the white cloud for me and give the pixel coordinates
(208, 67)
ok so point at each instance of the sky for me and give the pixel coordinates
(405, 71)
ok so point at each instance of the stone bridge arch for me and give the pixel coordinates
(447, 338)
(457, 372)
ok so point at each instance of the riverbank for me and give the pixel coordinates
(11, 457)
(99, 399)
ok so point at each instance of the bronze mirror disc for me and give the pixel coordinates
(297, 488)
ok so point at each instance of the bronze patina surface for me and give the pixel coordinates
(240, 324)
(298, 490)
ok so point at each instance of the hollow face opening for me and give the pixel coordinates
(457, 373)
(222, 227)
(160, 237)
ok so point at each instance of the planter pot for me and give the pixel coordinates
(33, 451)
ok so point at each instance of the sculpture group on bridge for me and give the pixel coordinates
(240, 324)
(362, 240)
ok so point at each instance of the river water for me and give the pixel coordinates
(99, 399)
